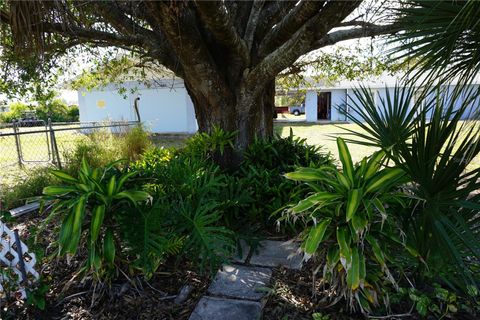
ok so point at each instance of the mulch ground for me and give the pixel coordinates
(127, 298)
(292, 297)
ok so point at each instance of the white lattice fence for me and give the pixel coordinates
(10, 258)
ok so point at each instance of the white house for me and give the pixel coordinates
(164, 106)
(323, 102)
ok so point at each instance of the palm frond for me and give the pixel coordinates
(440, 40)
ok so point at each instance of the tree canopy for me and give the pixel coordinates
(227, 52)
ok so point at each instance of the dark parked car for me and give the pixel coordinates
(29, 119)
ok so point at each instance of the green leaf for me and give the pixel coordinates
(96, 223)
(377, 252)
(315, 236)
(353, 274)
(353, 201)
(124, 178)
(63, 176)
(333, 255)
(343, 180)
(314, 199)
(78, 213)
(133, 196)
(58, 190)
(362, 268)
(305, 174)
(374, 164)
(65, 235)
(109, 247)
(111, 187)
(85, 168)
(343, 240)
(345, 158)
(378, 204)
(384, 179)
(359, 222)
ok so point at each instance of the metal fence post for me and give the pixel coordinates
(53, 140)
(17, 144)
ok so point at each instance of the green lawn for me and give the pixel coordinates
(324, 135)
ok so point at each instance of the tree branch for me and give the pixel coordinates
(218, 21)
(252, 22)
(290, 24)
(178, 25)
(302, 41)
(354, 23)
(369, 30)
(272, 13)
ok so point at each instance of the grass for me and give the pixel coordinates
(325, 135)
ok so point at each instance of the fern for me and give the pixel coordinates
(212, 243)
(148, 238)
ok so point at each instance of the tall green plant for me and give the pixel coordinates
(435, 147)
(350, 224)
(88, 206)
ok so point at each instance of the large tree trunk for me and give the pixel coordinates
(247, 110)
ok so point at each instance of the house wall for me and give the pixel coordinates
(311, 106)
(341, 96)
(338, 103)
(166, 108)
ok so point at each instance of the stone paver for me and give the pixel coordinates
(240, 282)
(235, 293)
(211, 308)
(276, 253)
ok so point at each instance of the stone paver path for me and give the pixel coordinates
(238, 290)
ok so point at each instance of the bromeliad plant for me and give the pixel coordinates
(87, 205)
(348, 224)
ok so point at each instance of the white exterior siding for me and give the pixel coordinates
(338, 102)
(341, 95)
(167, 108)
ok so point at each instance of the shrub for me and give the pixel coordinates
(55, 109)
(134, 142)
(265, 160)
(190, 202)
(283, 154)
(102, 147)
(216, 146)
(29, 187)
(15, 112)
(348, 213)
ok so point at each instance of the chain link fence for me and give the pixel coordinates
(25, 145)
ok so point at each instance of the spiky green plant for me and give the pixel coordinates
(435, 148)
(88, 206)
(350, 224)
